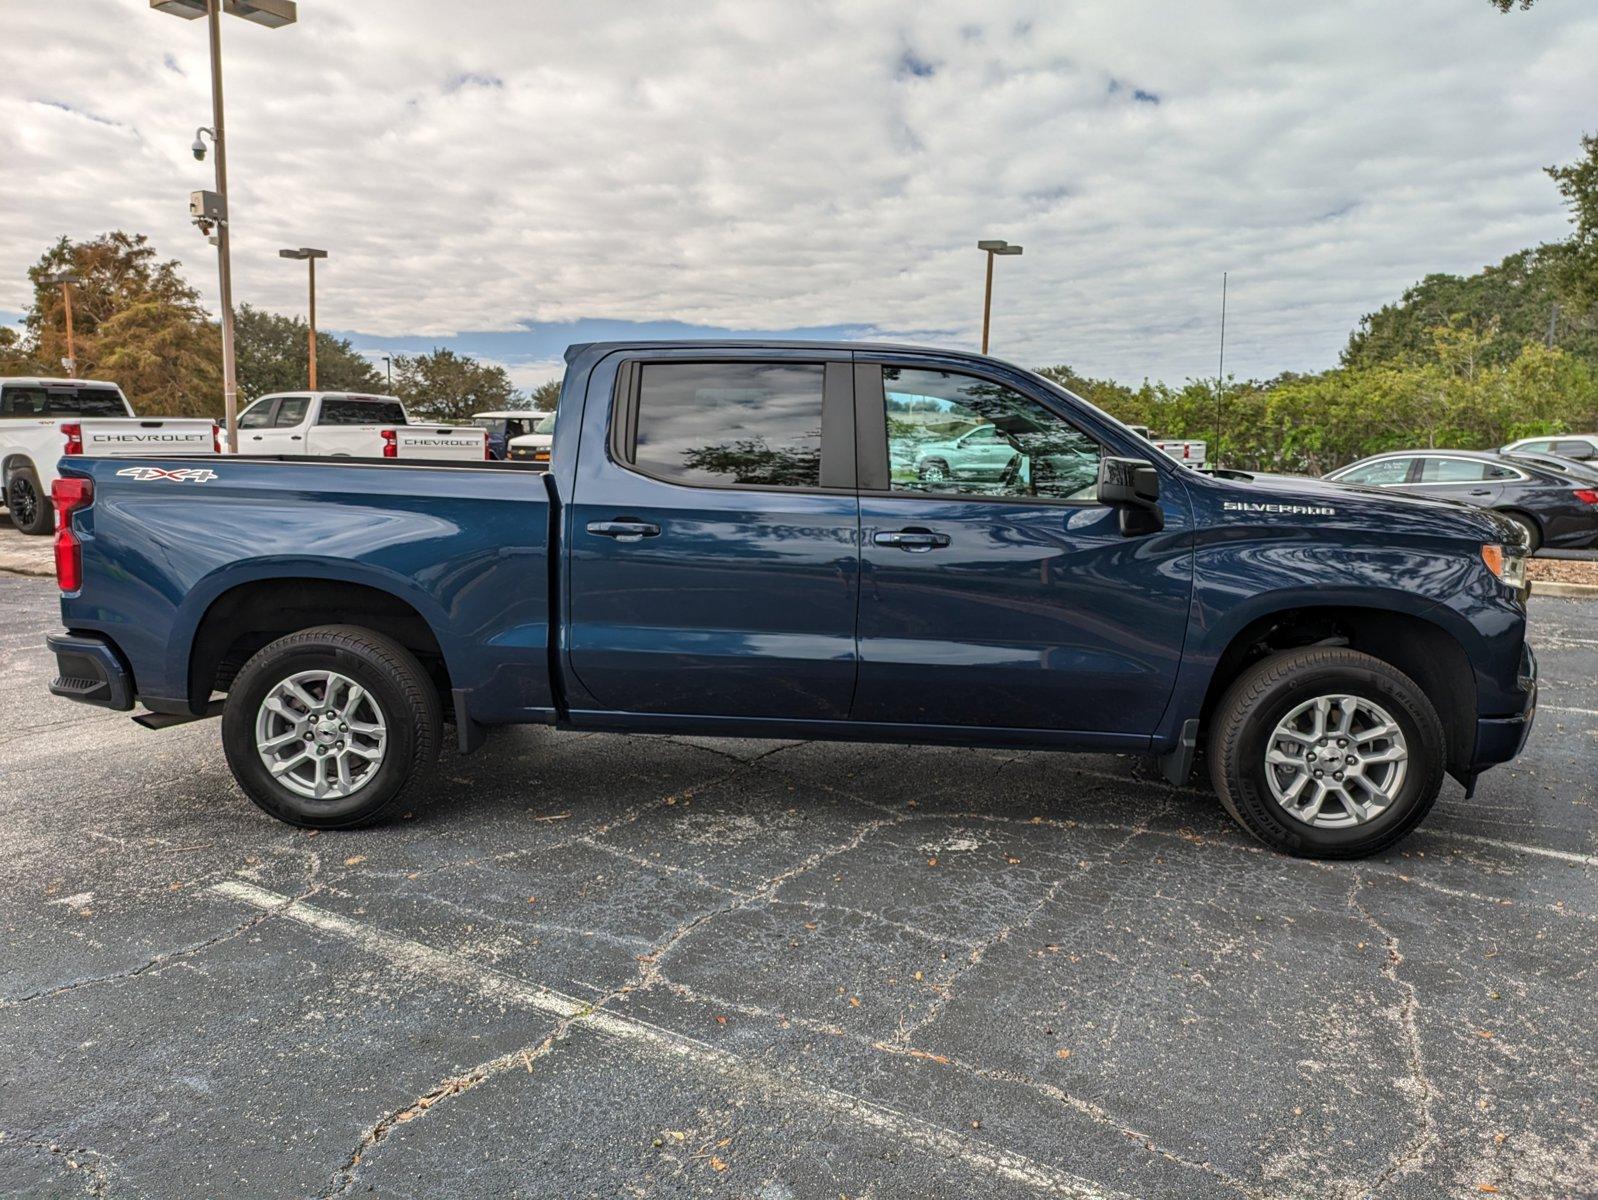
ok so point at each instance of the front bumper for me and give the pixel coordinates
(90, 671)
(1499, 739)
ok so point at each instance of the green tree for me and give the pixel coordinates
(1578, 258)
(445, 386)
(136, 321)
(546, 395)
(272, 352)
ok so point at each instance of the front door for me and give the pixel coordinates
(714, 539)
(1011, 598)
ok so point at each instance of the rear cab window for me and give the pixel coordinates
(360, 410)
(725, 424)
(62, 400)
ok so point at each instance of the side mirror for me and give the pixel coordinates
(1132, 485)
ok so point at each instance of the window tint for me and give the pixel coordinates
(61, 402)
(1496, 472)
(730, 423)
(291, 411)
(1574, 449)
(1378, 474)
(346, 410)
(959, 435)
(1535, 447)
(1452, 470)
(257, 416)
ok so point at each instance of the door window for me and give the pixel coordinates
(348, 411)
(1452, 470)
(1383, 473)
(958, 435)
(258, 415)
(1574, 449)
(291, 411)
(720, 424)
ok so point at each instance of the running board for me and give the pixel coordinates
(159, 720)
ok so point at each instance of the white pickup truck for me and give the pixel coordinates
(350, 425)
(43, 419)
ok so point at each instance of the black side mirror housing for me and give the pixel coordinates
(1132, 485)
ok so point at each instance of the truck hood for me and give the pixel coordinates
(1378, 508)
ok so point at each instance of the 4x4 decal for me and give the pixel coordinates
(180, 475)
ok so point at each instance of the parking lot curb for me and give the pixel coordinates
(1569, 591)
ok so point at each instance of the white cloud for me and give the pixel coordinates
(760, 164)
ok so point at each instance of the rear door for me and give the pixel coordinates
(713, 537)
(1473, 480)
(1013, 601)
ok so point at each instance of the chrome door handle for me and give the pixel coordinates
(917, 541)
(1481, 491)
(624, 531)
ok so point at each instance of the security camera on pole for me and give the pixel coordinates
(209, 209)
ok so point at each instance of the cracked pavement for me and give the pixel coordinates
(595, 966)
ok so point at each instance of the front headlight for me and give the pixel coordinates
(1508, 563)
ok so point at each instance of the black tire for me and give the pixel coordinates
(934, 470)
(30, 507)
(1262, 696)
(1534, 533)
(400, 689)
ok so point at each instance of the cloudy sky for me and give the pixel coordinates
(507, 176)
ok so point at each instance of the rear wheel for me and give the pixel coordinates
(329, 727)
(1326, 753)
(30, 508)
(934, 471)
(1534, 534)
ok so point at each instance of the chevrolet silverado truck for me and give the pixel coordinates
(349, 425)
(721, 546)
(43, 419)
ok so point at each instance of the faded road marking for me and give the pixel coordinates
(1580, 712)
(1584, 860)
(419, 959)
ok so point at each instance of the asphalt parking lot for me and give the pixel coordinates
(592, 966)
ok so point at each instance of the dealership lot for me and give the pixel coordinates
(661, 967)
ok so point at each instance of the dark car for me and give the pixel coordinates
(1555, 507)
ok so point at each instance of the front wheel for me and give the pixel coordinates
(329, 727)
(1534, 535)
(1326, 753)
(30, 508)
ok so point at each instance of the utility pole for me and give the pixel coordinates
(310, 256)
(273, 14)
(1220, 374)
(992, 248)
(66, 279)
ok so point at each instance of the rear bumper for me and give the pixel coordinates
(90, 671)
(1499, 739)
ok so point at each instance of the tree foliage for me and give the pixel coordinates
(546, 395)
(136, 321)
(1577, 258)
(450, 387)
(273, 351)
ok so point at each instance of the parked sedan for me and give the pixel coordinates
(1582, 446)
(1554, 508)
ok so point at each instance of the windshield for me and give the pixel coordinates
(492, 424)
(545, 424)
(62, 400)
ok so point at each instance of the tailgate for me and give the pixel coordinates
(440, 441)
(136, 437)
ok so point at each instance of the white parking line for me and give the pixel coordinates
(1581, 712)
(1584, 860)
(418, 959)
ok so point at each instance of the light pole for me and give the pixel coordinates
(66, 279)
(388, 365)
(273, 14)
(992, 248)
(310, 256)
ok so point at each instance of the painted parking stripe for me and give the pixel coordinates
(1580, 712)
(416, 958)
(1584, 860)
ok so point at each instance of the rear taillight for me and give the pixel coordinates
(74, 435)
(1587, 495)
(216, 439)
(69, 495)
(390, 443)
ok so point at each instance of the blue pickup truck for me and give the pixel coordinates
(735, 540)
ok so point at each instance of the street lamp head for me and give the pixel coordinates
(61, 278)
(1009, 250)
(992, 246)
(302, 252)
(274, 14)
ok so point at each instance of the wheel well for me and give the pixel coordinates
(241, 621)
(12, 463)
(1425, 652)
